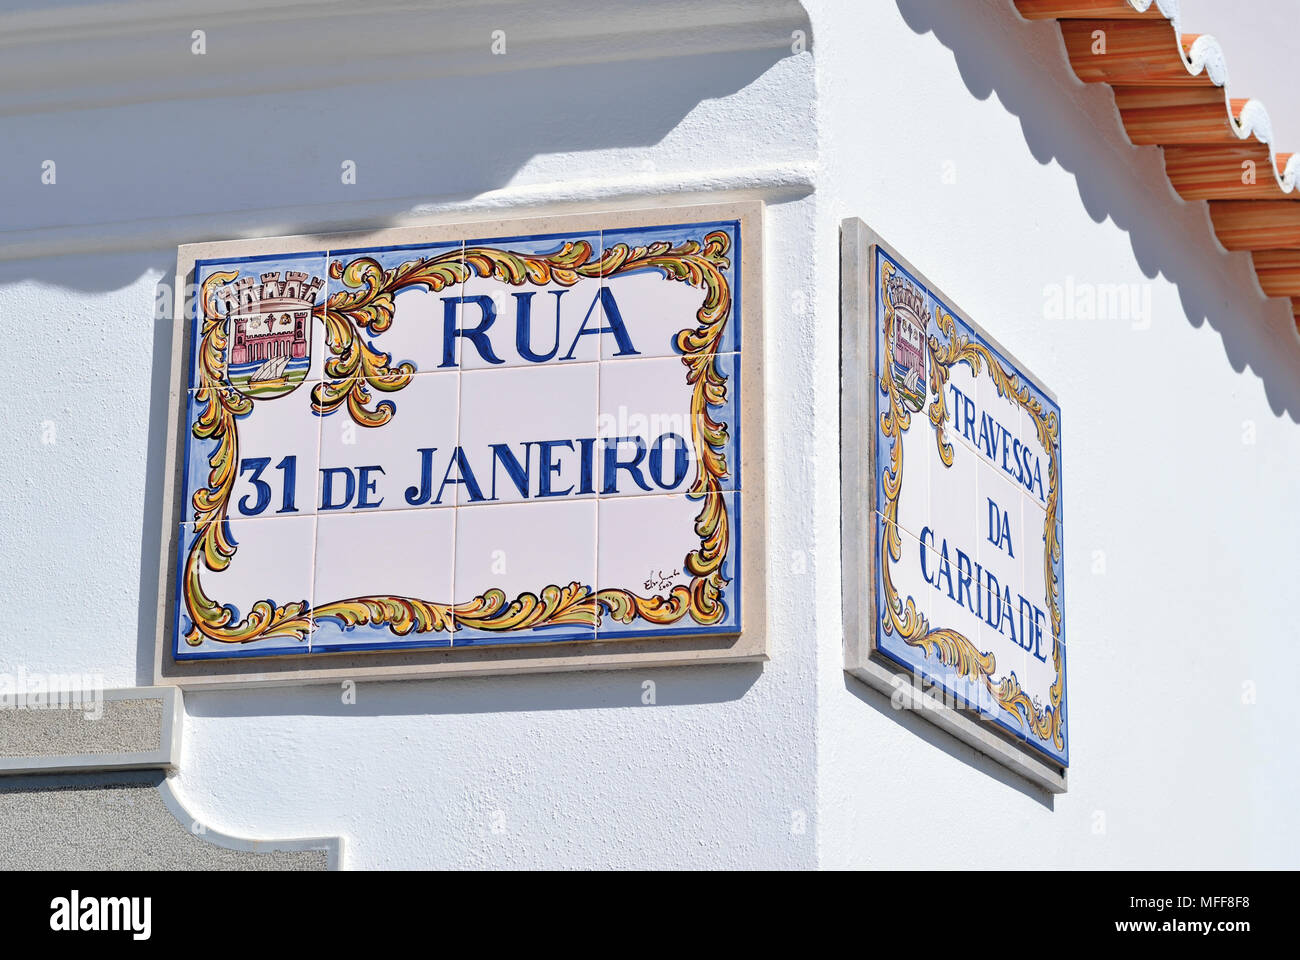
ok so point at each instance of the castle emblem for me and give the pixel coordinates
(269, 327)
(908, 341)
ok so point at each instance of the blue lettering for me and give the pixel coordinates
(616, 326)
(681, 462)
(263, 489)
(549, 467)
(327, 475)
(475, 335)
(523, 325)
(465, 476)
(613, 464)
(418, 495)
(367, 486)
(518, 473)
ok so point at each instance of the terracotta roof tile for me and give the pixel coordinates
(1170, 89)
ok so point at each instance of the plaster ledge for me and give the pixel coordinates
(139, 51)
(770, 182)
(332, 847)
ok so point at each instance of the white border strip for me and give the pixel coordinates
(166, 756)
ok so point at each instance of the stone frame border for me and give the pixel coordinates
(750, 645)
(857, 477)
(165, 756)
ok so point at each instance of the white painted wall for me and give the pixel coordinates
(536, 771)
(1197, 528)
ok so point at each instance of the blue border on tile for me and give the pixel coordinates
(732, 593)
(730, 343)
(568, 633)
(207, 650)
(389, 641)
(880, 642)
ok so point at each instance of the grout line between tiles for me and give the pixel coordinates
(600, 356)
(460, 417)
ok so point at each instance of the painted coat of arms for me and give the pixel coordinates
(907, 340)
(270, 329)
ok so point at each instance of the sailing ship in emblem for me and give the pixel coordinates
(271, 373)
(269, 332)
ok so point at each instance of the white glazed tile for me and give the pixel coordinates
(961, 408)
(278, 444)
(644, 546)
(650, 309)
(648, 434)
(911, 573)
(530, 429)
(1040, 483)
(1002, 566)
(954, 506)
(1001, 536)
(198, 467)
(274, 344)
(920, 460)
(1038, 591)
(506, 552)
(961, 387)
(949, 578)
(1035, 574)
(421, 334)
(1006, 615)
(384, 466)
(1039, 678)
(1000, 423)
(1009, 660)
(908, 379)
(1018, 612)
(272, 562)
(409, 555)
(1040, 674)
(509, 324)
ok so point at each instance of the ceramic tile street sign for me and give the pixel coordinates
(448, 439)
(960, 510)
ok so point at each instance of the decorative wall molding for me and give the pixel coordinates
(772, 183)
(71, 772)
(139, 52)
(132, 820)
(331, 848)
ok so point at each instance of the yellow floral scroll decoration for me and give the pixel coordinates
(900, 615)
(354, 368)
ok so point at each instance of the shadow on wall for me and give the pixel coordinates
(520, 693)
(1258, 333)
(414, 150)
(407, 145)
(915, 723)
